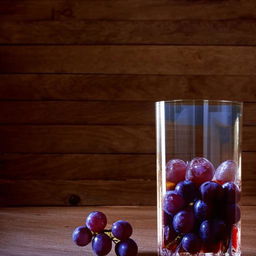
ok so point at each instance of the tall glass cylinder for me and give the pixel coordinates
(198, 177)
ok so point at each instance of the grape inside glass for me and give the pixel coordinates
(198, 177)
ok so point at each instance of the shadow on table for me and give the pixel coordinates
(147, 254)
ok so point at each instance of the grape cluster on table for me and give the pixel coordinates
(200, 207)
(94, 231)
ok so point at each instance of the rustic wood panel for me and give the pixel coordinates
(89, 139)
(134, 73)
(248, 189)
(182, 32)
(77, 139)
(249, 112)
(248, 166)
(78, 166)
(97, 192)
(126, 10)
(78, 112)
(92, 166)
(125, 87)
(248, 193)
(93, 192)
(47, 223)
(93, 112)
(179, 60)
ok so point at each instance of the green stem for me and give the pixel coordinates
(115, 240)
(177, 239)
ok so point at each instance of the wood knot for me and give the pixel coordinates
(74, 200)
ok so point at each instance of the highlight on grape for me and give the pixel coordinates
(94, 231)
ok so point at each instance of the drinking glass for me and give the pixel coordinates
(198, 177)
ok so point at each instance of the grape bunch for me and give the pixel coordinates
(94, 231)
(200, 207)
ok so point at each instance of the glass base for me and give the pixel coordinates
(166, 252)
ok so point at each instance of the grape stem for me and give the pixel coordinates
(115, 240)
(108, 232)
(177, 239)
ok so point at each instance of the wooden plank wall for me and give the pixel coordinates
(78, 81)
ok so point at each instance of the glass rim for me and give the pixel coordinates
(230, 102)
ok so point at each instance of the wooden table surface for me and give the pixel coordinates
(46, 231)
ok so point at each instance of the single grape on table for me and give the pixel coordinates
(82, 236)
(96, 221)
(102, 238)
(200, 211)
(101, 244)
(126, 248)
(122, 230)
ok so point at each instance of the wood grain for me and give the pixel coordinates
(176, 60)
(52, 228)
(47, 223)
(77, 139)
(89, 192)
(89, 112)
(125, 87)
(93, 166)
(78, 112)
(92, 192)
(89, 139)
(182, 32)
(56, 149)
(126, 10)
(79, 166)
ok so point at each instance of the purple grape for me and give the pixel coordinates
(187, 190)
(213, 247)
(218, 210)
(231, 192)
(206, 231)
(82, 236)
(101, 244)
(232, 213)
(96, 221)
(220, 229)
(203, 210)
(226, 171)
(173, 202)
(169, 234)
(212, 231)
(191, 243)
(184, 221)
(200, 170)
(211, 191)
(175, 170)
(167, 219)
(121, 229)
(126, 248)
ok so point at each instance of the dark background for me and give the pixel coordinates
(78, 81)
